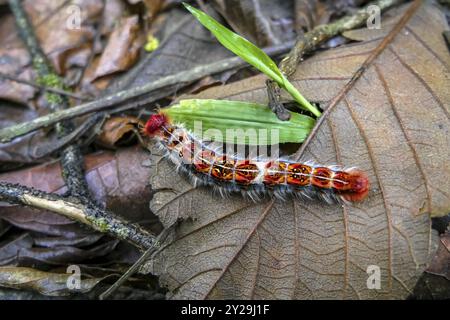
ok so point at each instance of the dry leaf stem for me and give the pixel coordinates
(311, 40)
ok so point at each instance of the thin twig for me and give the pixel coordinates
(312, 39)
(74, 209)
(44, 88)
(122, 97)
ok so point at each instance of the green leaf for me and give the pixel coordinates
(251, 54)
(250, 119)
(239, 45)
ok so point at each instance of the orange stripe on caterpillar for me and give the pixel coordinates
(211, 167)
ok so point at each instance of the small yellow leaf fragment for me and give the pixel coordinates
(152, 43)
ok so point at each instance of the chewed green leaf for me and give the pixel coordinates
(239, 122)
(239, 45)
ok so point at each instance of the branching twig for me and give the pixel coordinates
(72, 208)
(312, 39)
(123, 97)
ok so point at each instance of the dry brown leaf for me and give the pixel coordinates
(393, 122)
(68, 31)
(122, 49)
(23, 149)
(64, 30)
(155, 6)
(185, 44)
(117, 130)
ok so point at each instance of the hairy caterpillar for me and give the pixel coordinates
(254, 178)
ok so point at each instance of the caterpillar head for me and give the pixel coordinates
(155, 124)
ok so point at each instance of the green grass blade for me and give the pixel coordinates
(251, 54)
(223, 115)
(239, 45)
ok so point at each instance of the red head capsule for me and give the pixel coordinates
(155, 123)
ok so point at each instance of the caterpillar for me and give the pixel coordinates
(254, 178)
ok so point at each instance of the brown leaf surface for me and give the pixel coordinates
(23, 149)
(59, 35)
(393, 122)
(155, 6)
(66, 44)
(14, 62)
